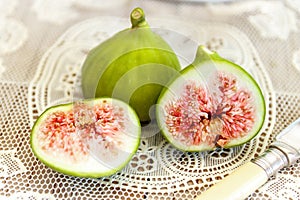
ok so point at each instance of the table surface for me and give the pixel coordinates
(43, 44)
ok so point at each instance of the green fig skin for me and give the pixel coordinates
(133, 65)
(202, 70)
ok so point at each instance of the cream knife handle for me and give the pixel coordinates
(250, 176)
(238, 185)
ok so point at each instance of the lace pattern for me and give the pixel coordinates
(13, 35)
(41, 54)
(9, 164)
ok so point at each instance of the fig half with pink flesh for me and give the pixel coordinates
(212, 103)
(88, 138)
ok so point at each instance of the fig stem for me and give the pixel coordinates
(137, 18)
(204, 54)
(202, 51)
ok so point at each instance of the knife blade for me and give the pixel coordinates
(283, 152)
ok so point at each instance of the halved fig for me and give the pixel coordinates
(212, 103)
(88, 138)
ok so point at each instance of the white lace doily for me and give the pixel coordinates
(158, 170)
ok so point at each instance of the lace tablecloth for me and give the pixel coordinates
(43, 44)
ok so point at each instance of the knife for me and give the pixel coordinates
(284, 151)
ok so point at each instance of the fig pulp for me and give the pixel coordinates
(133, 65)
(212, 103)
(89, 138)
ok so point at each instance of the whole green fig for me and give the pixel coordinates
(133, 65)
